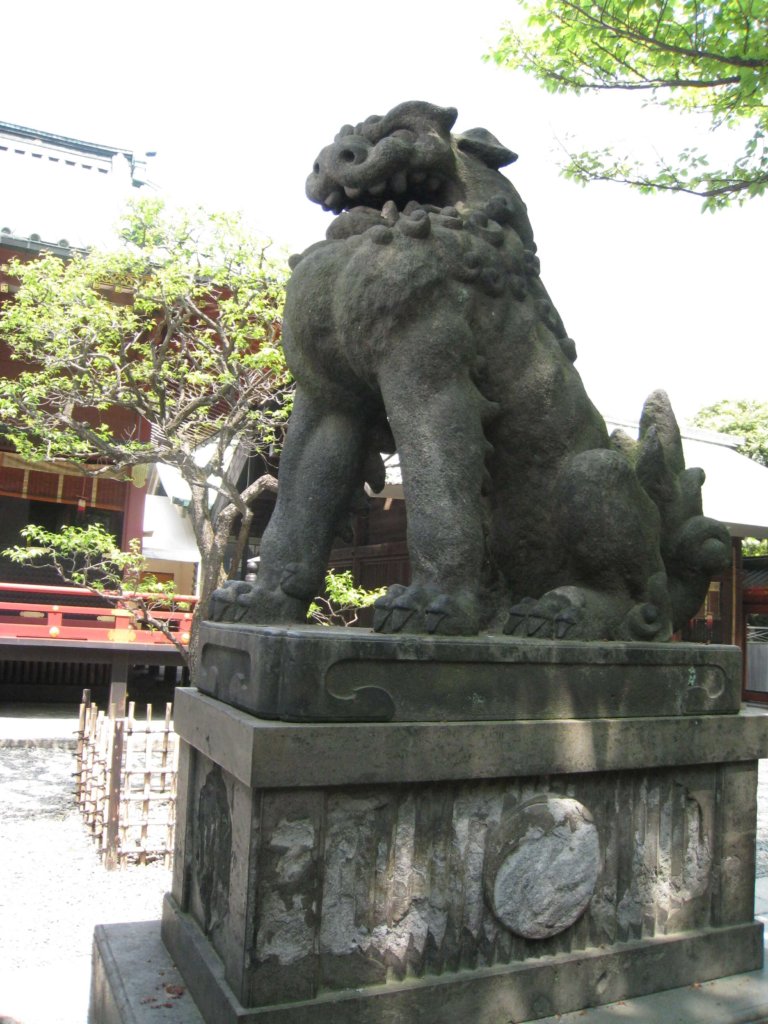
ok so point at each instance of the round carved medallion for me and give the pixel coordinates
(543, 871)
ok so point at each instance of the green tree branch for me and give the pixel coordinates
(707, 58)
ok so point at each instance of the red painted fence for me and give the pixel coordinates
(46, 616)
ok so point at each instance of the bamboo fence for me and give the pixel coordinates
(126, 783)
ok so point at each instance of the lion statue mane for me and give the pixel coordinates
(421, 325)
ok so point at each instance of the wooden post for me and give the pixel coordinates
(147, 791)
(96, 772)
(112, 857)
(127, 780)
(82, 723)
(167, 782)
(86, 796)
(118, 688)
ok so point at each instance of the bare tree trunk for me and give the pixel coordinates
(212, 542)
(267, 482)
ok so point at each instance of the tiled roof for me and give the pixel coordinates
(60, 191)
(62, 142)
(755, 573)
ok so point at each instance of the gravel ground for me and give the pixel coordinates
(54, 890)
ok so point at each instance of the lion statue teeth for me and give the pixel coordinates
(421, 325)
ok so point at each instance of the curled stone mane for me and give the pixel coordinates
(421, 325)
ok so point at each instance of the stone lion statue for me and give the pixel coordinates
(421, 325)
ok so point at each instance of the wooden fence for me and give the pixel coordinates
(126, 782)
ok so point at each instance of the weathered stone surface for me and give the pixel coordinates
(307, 673)
(430, 881)
(213, 849)
(516, 994)
(129, 957)
(266, 754)
(544, 874)
(737, 795)
(421, 325)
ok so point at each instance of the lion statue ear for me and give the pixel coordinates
(486, 147)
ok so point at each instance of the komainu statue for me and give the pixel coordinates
(421, 325)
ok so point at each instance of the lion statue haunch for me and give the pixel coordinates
(421, 325)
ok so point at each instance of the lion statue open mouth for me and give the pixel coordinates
(421, 325)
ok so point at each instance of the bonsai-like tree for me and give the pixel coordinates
(179, 323)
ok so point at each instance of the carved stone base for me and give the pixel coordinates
(479, 871)
(320, 674)
(515, 993)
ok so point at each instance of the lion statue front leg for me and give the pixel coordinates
(321, 466)
(436, 417)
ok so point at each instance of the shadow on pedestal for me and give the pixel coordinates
(493, 869)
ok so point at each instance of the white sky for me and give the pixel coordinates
(238, 97)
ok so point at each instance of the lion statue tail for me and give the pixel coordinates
(694, 547)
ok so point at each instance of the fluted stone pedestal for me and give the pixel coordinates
(500, 869)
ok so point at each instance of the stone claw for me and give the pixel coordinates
(565, 622)
(422, 610)
(224, 601)
(518, 615)
(552, 617)
(240, 601)
(383, 609)
(452, 616)
(535, 624)
(408, 610)
(402, 614)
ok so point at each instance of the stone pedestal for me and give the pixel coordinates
(312, 673)
(483, 870)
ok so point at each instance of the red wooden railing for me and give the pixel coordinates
(44, 617)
